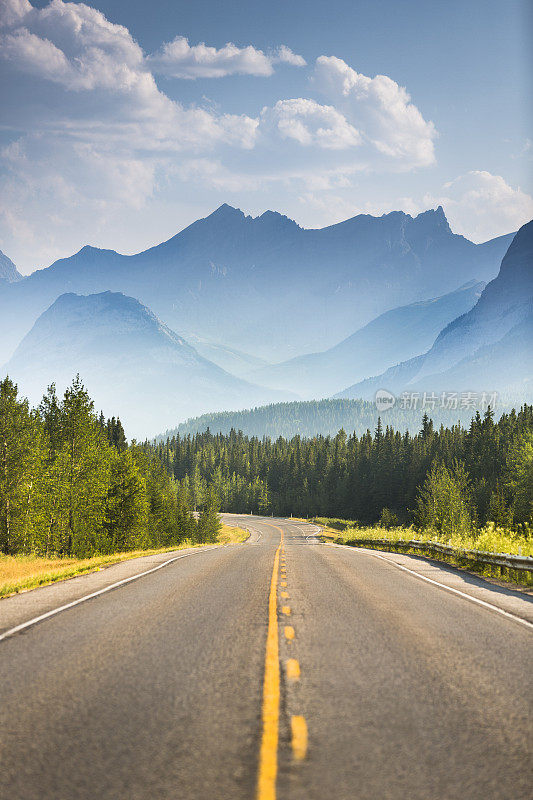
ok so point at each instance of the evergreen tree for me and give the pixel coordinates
(20, 439)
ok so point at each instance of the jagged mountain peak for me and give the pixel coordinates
(225, 210)
(275, 218)
(88, 251)
(8, 271)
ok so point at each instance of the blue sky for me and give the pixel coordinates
(121, 127)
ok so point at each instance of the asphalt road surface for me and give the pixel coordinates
(282, 668)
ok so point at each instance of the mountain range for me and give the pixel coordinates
(131, 363)
(266, 282)
(490, 348)
(396, 335)
(231, 294)
(8, 271)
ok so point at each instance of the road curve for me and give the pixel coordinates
(282, 668)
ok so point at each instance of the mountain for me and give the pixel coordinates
(131, 363)
(266, 282)
(235, 361)
(490, 348)
(394, 336)
(8, 271)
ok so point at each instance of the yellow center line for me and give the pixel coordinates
(283, 583)
(285, 610)
(285, 595)
(268, 754)
(293, 669)
(289, 632)
(299, 737)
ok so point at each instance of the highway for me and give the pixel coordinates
(282, 669)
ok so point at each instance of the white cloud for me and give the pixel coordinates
(76, 47)
(309, 123)
(178, 59)
(285, 55)
(379, 108)
(480, 205)
(94, 138)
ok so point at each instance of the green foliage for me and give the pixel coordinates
(209, 524)
(444, 503)
(388, 520)
(71, 486)
(314, 417)
(463, 477)
(20, 464)
(520, 478)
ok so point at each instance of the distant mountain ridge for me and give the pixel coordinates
(394, 336)
(8, 271)
(132, 364)
(489, 348)
(266, 282)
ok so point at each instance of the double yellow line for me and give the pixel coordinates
(268, 755)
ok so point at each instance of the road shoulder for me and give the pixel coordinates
(19, 608)
(511, 601)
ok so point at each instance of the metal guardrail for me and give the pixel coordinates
(506, 560)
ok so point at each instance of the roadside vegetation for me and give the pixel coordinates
(22, 572)
(229, 535)
(488, 539)
(453, 481)
(72, 487)
(462, 547)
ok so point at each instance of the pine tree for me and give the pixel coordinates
(20, 436)
(83, 471)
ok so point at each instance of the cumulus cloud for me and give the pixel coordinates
(309, 123)
(93, 137)
(91, 129)
(178, 59)
(371, 120)
(381, 109)
(481, 205)
(77, 47)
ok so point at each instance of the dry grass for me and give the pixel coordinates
(489, 539)
(20, 573)
(229, 535)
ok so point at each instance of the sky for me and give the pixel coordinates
(124, 121)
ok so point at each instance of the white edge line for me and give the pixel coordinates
(58, 610)
(443, 586)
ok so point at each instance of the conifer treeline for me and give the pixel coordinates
(70, 484)
(488, 467)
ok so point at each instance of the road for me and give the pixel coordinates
(282, 668)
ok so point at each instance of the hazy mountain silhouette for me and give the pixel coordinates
(487, 349)
(394, 336)
(8, 271)
(264, 283)
(235, 361)
(132, 364)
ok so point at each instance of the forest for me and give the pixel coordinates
(314, 417)
(70, 485)
(459, 476)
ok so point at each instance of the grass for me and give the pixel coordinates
(22, 572)
(228, 535)
(489, 539)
